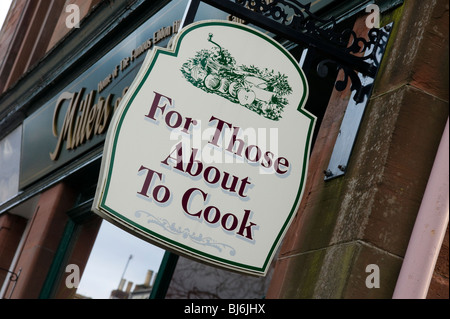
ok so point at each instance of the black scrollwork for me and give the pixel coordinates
(299, 17)
(13, 275)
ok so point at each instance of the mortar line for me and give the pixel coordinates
(408, 84)
(342, 244)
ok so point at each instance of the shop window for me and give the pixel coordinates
(17, 221)
(97, 260)
(10, 164)
(121, 266)
(93, 259)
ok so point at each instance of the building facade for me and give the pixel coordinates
(64, 68)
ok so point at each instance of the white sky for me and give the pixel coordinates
(109, 257)
(4, 7)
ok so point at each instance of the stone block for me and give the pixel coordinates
(417, 53)
(337, 272)
(391, 163)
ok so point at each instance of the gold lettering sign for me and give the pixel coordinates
(83, 119)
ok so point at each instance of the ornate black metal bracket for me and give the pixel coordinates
(295, 22)
(358, 57)
(353, 114)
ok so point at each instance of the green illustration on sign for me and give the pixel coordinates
(215, 71)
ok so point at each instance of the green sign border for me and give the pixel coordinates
(159, 51)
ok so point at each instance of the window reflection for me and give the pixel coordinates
(10, 164)
(111, 273)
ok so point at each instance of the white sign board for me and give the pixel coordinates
(206, 155)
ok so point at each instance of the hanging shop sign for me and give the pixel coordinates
(207, 152)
